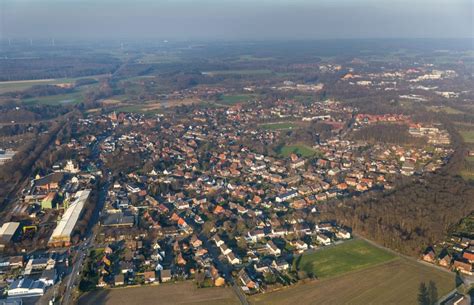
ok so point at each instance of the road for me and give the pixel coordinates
(84, 247)
(225, 269)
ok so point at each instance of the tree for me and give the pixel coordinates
(423, 296)
(432, 292)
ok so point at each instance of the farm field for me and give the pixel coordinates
(393, 282)
(349, 256)
(303, 150)
(278, 126)
(21, 85)
(179, 293)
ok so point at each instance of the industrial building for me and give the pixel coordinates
(63, 232)
(7, 231)
(26, 287)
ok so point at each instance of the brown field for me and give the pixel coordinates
(395, 282)
(179, 293)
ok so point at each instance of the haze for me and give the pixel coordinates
(234, 20)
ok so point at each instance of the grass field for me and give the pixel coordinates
(301, 149)
(179, 293)
(70, 98)
(446, 109)
(278, 126)
(467, 135)
(26, 84)
(235, 99)
(394, 282)
(239, 72)
(349, 256)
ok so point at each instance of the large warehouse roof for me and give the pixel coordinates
(71, 216)
(7, 231)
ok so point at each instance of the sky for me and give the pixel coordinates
(236, 19)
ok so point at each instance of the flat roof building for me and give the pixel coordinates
(26, 287)
(7, 231)
(63, 232)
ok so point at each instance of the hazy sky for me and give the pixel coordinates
(236, 19)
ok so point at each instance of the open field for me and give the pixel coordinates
(21, 85)
(179, 293)
(349, 256)
(301, 149)
(69, 98)
(395, 282)
(278, 126)
(239, 72)
(235, 99)
(446, 109)
(154, 106)
(467, 175)
(467, 135)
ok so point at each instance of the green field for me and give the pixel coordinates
(393, 282)
(235, 99)
(300, 149)
(446, 109)
(278, 126)
(65, 99)
(467, 135)
(349, 256)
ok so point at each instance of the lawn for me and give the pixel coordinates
(349, 256)
(179, 293)
(467, 135)
(393, 282)
(300, 149)
(278, 126)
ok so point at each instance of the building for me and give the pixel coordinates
(63, 232)
(6, 156)
(26, 287)
(7, 231)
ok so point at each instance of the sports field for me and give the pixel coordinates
(278, 126)
(169, 293)
(235, 99)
